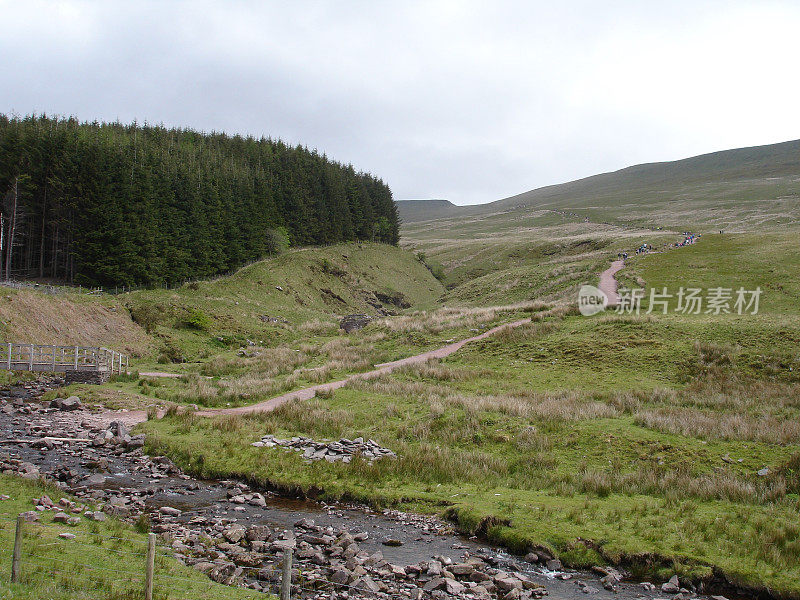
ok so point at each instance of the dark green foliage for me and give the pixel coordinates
(197, 319)
(118, 205)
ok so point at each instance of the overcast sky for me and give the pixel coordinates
(469, 101)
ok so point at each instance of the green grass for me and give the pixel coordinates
(640, 435)
(106, 560)
(554, 476)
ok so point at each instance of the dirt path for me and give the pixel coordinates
(380, 369)
(608, 282)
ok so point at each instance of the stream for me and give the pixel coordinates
(394, 554)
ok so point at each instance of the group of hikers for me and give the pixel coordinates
(688, 238)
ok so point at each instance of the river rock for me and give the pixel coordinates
(71, 403)
(234, 533)
(672, 586)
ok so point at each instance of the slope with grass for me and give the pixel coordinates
(71, 318)
(668, 443)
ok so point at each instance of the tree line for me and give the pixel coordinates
(118, 205)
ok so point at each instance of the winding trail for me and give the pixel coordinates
(608, 282)
(380, 369)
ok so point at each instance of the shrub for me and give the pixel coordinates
(197, 319)
(148, 316)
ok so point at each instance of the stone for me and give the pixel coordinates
(462, 570)
(453, 587)
(672, 586)
(66, 536)
(95, 515)
(437, 583)
(169, 511)
(554, 565)
(341, 576)
(366, 583)
(391, 542)
(258, 533)
(234, 533)
(512, 594)
(67, 404)
(60, 517)
(507, 583)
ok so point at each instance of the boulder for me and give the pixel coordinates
(71, 403)
(235, 533)
(673, 586)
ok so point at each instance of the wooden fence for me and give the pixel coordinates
(60, 359)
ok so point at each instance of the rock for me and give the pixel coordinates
(763, 472)
(30, 516)
(391, 542)
(366, 583)
(672, 586)
(118, 429)
(512, 594)
(234, 534)
(647, 586)
(507, 583)
(305, 523)
(354, 322)
(95, 515)
(437, 583)
(453, 587)
(71, 403)
(169, 511)
(610, 582)
(136, 441)
(462, 570)
(258, 533)
(60, 517)
(554, 565)
(532, 557)
(341, 576)
(66, 536)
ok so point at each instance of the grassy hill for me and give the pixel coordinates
(668, 443)
(411, 211)
(736, 190)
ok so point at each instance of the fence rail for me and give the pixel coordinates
(60, 359)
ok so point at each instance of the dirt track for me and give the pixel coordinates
(381, 369)
(608, 282)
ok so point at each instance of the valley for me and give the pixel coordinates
(655, 443)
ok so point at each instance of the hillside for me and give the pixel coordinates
(650, 181)
(111, 204)
(411, 211)
(743, 189)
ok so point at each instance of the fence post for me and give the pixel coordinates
(30, 359)
(10, 349)
(151, 561)
(16, 556)
(54, 358)
(76, 358)
(286, 577)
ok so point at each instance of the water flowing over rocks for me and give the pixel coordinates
(344, 450)
(237, 535)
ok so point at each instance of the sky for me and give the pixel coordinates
(467, 101)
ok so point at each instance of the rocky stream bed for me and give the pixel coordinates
(237, 535)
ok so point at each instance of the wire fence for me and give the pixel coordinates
(42, 549)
